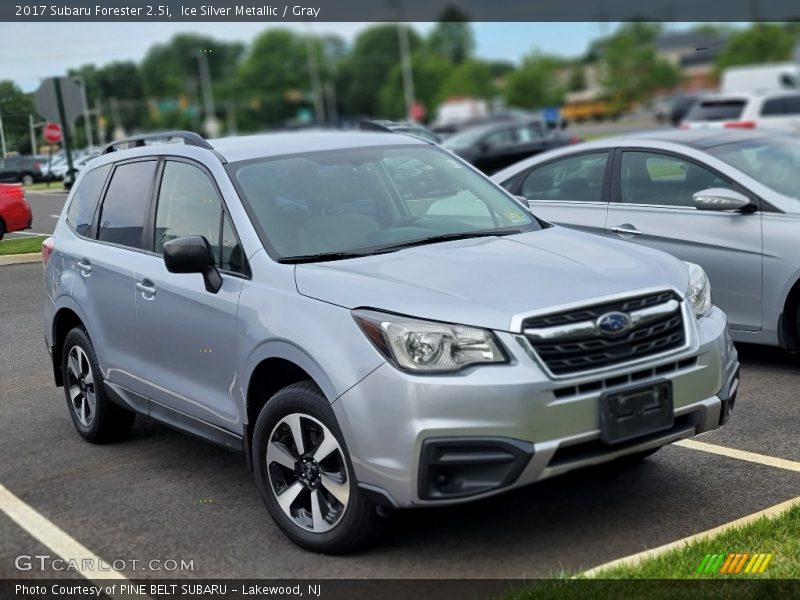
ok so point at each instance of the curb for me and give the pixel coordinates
(18, 259)
(770, 512)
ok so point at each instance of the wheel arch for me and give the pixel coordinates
(788, 324)
(65, 319)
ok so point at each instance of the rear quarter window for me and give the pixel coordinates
(85, 198)
(717, 110)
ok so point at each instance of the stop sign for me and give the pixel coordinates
(52, 133)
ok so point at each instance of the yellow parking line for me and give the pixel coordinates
(761, 459)
(56, 539)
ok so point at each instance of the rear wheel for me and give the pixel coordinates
(305, 476)
(2, 229)
(97, 419)
(27, 179)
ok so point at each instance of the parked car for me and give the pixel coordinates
(79, 164)
(15, 212)
(726, 200)
(680, 106)
(497, 145)
(372, 321)
(20, 169)
(774, 110)
(408, 127)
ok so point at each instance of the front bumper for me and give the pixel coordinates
(510, 425)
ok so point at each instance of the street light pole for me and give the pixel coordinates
(211, 124)
(405, 65)
(313, 72)
(2, 136)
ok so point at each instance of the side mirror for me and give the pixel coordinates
(720, 199)
(192, 254)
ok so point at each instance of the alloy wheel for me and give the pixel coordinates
(81, 386)
(307, 472)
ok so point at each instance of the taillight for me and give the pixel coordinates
(684, 125)
(47, 249)
(574, 140)
(740, 124)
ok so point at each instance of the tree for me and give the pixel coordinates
(763, 42)
(430, 72)
(15, 106)
(631, 68)
(363, 73)
(472, 79)
(452, 37)
(535, 83)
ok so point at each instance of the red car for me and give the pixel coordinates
(15, 212)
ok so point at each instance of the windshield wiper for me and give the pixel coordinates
(447, 237)
(323, 256)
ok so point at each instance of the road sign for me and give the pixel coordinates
(52, 133)
(47, 102)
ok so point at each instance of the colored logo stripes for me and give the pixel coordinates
(733, 563)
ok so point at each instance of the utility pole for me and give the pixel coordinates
(211, 124)
(405, 65)
(313, 72)
(33, 134)
(2, 136)
(64, 128)
(87, 119)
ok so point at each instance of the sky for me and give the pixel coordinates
(34, 51)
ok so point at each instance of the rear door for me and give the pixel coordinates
(104, 269)
(570, 191)
(651, 204)
(189, 335)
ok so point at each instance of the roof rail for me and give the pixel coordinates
(189, 138)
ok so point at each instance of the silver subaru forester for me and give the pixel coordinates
(371, 321)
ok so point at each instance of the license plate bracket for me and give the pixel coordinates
(636, 411)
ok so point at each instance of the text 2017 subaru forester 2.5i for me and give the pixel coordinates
(372, 321)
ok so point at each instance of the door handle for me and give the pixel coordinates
(147, 288)
(84, 266)
(626, 230)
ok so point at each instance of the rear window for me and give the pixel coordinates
(717, 110)
(85, 199)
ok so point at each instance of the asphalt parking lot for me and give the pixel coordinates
(164, 495)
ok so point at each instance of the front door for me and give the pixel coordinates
(651, 204)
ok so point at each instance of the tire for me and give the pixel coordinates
(344, 522)
(97, 419)
(27, 179)
(2, 229)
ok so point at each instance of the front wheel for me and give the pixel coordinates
(305, 476)
(27, 179)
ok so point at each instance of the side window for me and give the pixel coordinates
(122, 215)
(577, 178)
(499, 139)
(188, 204)
(664, 180)
(773, 107)
(85, 198)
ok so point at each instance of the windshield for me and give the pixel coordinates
(369, 200)
(773, 161)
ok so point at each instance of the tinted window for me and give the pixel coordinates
(85, 199)
(716, 110)
(498, 139)
(122, 215)
(664, 180)
(577, 178)
(188, 204)
(783, 105)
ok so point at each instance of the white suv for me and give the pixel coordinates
(747, 110)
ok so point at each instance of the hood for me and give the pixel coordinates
(485, 282)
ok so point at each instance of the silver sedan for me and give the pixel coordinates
(726, 200)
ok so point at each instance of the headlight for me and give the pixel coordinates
(426, 346)
(699, 290)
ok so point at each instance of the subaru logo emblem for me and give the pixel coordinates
(613, 323)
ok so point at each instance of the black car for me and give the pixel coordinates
(20, 169)
(500, 144)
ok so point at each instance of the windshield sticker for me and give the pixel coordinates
(514, 216)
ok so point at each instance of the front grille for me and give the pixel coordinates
(574, 354)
